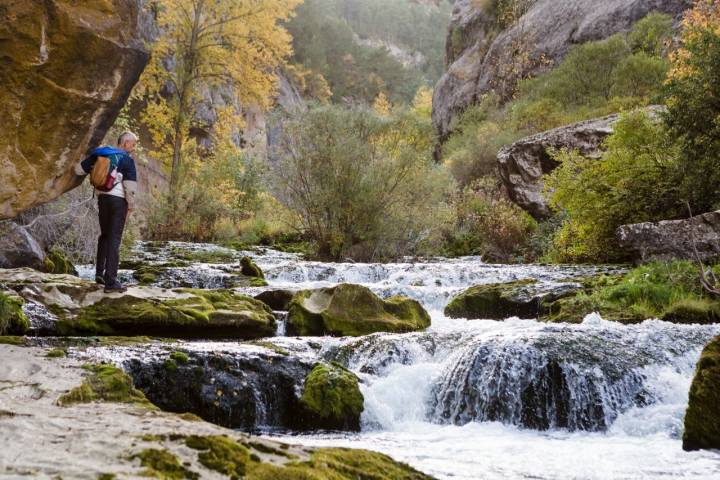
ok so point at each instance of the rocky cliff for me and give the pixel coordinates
(486, 53)
(67, 69)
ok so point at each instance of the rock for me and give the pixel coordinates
(56, 262)
(12, 319)
(249, 268)
(523, 164)
(672, 239)
(235, 390)
(276, 299)
(68, 68)
(82, 308)
(498, 301)
(331, 399)
(18, 248)
(352, 310)
(702, 418)
(484, 55)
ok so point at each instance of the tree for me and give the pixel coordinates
(207, 44)
(693, 105)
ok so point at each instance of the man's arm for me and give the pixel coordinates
(130, 182)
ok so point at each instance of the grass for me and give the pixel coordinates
(164, 465)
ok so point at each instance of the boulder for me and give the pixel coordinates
(352, 310)
(702, 418)
(67, 70)
(484, 54)
(276, 299)
(331, 399)
(239, 389)
(522, 164)
(80, 307)
(499, 301)
(250, 268)
(673, 239)
(18, 248)
(12, 318)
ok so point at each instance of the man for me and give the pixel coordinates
(114, 207)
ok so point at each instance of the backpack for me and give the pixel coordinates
(104, 173)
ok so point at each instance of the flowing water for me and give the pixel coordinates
(513, 399)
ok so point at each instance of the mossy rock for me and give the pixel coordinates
(276, 299)
(149, 273)
(702, 418)
(193, 314)
(221, 454)
(250, 268)
(56, 262)
(13, 320)
(331, 399)
(496, 301)
(337, 464)
(352, 310)
(164, 465)
(105, 383)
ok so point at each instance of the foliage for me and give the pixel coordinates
(597, 196)
(652, 34)
(363, 186)
(487, 223)
(325, 43)
(693, 115)
(209, 44)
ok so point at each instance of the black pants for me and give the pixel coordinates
(113, 212)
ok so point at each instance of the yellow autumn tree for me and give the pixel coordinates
(382, 105)
(207, 44)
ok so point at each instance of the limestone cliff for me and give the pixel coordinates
(66, 69)
(487, 53)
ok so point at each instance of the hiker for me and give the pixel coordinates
(112, 173)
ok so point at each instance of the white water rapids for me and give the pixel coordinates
(605, 401)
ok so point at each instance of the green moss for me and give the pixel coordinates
(250, 268)
(56, 262)
(164, 465)
(352, 310)
(13, 340)
(180, 357)
(258, 282)
(496, 301)
(271, 346)
(105, 383)
(190, 417)
(107, 476)
(12, 318)
(338, 464)
(203, 256)
(702, 418)
(204, 313)
(331, 398)
(56, 353)
(221, 454)
(669, 291)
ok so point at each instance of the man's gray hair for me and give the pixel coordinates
(126, 135)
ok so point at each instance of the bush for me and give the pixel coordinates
(362, 186)
(597, 196)
(487, 223)
(652, 34)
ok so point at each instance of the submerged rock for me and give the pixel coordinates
(702, 418)
(673, 239)
(498, 301)
(352, 310)
(331, 399)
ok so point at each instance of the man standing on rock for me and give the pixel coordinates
(115, 203)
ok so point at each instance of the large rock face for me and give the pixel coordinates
(522, 164)
(67, 69)
(673, 239)
(702, 418)
(484, 56)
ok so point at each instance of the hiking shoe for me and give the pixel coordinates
(115, 288)
(99, 280)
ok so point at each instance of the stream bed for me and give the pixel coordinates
(488, 399)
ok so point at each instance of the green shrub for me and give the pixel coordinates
(597, 196)
(362, 186)
(652, 34)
